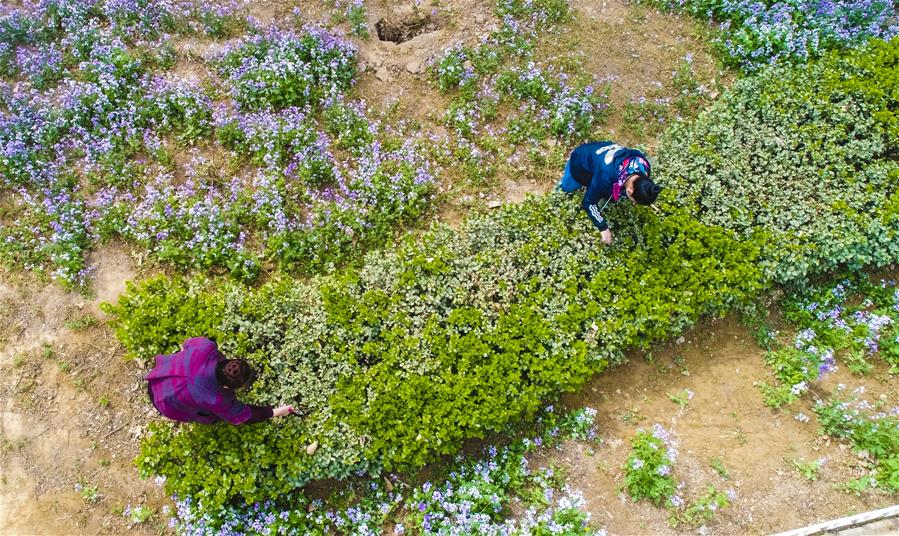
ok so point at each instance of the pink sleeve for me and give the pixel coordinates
(200, 343)
(238, 413)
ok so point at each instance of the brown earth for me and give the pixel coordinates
(72, 410)
(725, 420)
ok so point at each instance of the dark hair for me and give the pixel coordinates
(645, 191)
(234, 373)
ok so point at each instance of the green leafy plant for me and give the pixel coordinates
(682, 398)
(769, 159)
(700, 510)
(808, 469)
(138, 515)
(82, 322)
(719, 468)
(648, 468)
(873, 433)
(403, 359)
(91, 494)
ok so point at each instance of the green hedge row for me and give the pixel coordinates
(806, 155)
(450, 337)
(457, 334)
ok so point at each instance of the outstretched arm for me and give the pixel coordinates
(593, 203)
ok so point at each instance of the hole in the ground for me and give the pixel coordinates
(405, 29)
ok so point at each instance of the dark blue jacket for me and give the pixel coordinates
(595, 165)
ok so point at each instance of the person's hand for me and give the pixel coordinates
(282, 411)
(607, 237)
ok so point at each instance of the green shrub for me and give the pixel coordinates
(804, 155)
(449, 337)
(160, 313)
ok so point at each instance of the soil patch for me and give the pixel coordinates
(725, 423)
(71, 410)
(403, 30)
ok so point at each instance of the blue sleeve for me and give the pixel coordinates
(593, 201)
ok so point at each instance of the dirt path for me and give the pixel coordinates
(71, 410)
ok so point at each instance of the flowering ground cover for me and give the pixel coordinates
(94, 143)
(506, 103)
(852, 321)
(849, 323)
(754, 34)
(471, 495)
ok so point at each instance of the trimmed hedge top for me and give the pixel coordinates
(806, 155)
(452, 337)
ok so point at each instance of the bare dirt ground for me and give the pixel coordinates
(72, 410)
(726, 420)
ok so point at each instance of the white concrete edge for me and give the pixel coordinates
(844, 522)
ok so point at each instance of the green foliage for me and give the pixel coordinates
(856, 316)
(156, 316)
(647, 472)
(801, 156)
(646, 116)
(349, 126)
(468, 494)
(718, 466)
(682, 399)
(874, 79)
(90, 494)
(138, 515)
(852, 320)
(808, 469)
(541, 13)
(873, 433)
(82, 322)
(451, 336)
(283, 69)
(700, 510)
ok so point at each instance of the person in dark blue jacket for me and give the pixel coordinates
(610, 172)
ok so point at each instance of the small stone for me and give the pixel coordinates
(494, 204)
(680, 340)
(388, 485)
(383, 74)
(413, 67)
(362, 66)
(310, 450)
(479, 18)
